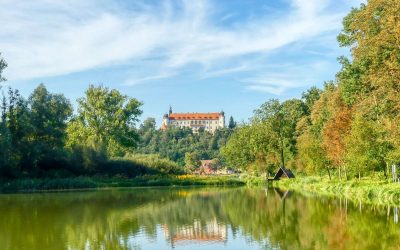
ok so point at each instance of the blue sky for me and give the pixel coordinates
(196, 55)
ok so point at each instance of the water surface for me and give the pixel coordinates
(192, 218)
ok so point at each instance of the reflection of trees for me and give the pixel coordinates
(108, 219)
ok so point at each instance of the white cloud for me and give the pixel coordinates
(278, 80)
(47, 38)
(133, 80)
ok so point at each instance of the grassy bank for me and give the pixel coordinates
(31, 185)
(364, 190)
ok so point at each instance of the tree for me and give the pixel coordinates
(371, 80)
(312, 156)
(148, 125)
(5, 137)
(106, 118)
(281, 120)
(364, 149)
(3, 65)
(16, 117)
(232, 123)
(48, 117)
(192, 161)
(335, 130)
(239, 152)
(310, 97)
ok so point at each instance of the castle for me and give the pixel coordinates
(196, 121)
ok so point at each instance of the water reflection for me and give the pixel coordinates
(210, 218)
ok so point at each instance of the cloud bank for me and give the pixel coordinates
(43, 38)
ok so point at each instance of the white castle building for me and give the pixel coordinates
(196, 121)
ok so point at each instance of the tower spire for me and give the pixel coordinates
(170, 109)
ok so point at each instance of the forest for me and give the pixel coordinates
(41, 137)
(348, 129)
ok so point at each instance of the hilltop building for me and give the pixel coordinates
(196, 121)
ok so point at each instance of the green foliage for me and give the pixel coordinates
(369, 190)
(3, 65)
(232, 124)
(106, 118)
(34, 132)
(174, 143)
(270, 139)
(192, 160)
(365, 151)
(33, 137)
(237, 154)
(310, 97)
(116, 181)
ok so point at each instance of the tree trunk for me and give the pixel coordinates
(282, 154)
(394, 174)
(385, 170)
(329, 173)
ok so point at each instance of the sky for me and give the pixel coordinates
(195, 55)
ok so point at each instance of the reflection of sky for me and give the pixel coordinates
(160, 241)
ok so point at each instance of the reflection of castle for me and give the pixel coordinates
(210, 231)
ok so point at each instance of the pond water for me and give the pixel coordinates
(192, 218)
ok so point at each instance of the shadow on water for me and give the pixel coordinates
(183, 218)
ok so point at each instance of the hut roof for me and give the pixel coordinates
(283, 171)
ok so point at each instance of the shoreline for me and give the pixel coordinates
(92, 183)
(369, 191)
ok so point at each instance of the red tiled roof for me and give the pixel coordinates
(194, 116)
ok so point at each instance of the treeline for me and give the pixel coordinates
(41, 137)
(181, 145)
(351, 127)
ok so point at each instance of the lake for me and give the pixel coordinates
(193, 218)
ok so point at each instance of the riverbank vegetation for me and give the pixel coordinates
(48, 184)
(350, 128)
(368, 190)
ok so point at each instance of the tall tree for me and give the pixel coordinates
(310, 97)
(192, 161)
(232, 123)
(106, 118)
(49, 116)
(281, 121)
(334, 134)
(3, 65)
(371, 80)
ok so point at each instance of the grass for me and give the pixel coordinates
(366, 190)
(31, 185)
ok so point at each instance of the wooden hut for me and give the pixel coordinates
(283, 173)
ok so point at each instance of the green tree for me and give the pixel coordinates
(48, 117)
(106, 118)
(281, 120)
(239, 151)
(3, 65)
(232, 123)
(192, 161)
(5, 137)
(310, 97)
(365, 151)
